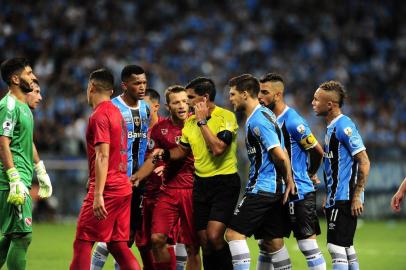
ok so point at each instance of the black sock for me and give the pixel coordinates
(209, 262)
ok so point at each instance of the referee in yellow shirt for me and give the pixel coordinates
(211, 135)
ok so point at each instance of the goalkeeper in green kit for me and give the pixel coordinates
(17, 155)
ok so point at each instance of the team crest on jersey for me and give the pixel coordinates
(28, 221)
(348, 131)
(301, 129)
(137, 121)
(164, 131)
(256, 131)
(177, 139)
(151, 144)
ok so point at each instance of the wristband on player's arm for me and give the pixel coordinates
(13, 175)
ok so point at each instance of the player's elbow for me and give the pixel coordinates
(218, 151)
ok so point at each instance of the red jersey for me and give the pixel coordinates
(106, 125)
(177, 174)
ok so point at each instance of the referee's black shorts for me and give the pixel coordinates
(341, 224)
(214, 198)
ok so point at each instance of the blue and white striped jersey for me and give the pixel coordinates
(262, 134)
(137, 120)
(298, 138)
(342, 143)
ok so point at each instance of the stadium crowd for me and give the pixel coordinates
(360, 43)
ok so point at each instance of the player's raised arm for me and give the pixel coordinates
(362, 178)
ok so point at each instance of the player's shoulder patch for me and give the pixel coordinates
(348, 131)
(301, 129)
(11, 103)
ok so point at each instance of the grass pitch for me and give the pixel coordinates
(379, 245)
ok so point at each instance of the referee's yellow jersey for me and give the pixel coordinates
(207, 165)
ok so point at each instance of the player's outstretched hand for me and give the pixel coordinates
(99, 210)
(397, 200)
(45, 186)
(290, 190)
(18, 191)
(159, 170)
(356, 207)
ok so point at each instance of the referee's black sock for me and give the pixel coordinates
(223, 258)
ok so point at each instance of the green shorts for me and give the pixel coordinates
(15, 219)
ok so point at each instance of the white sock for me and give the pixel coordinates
(181, 256)
(99, 256)
(264, 259)
(116, 266)
(339, 257)
(281, 260)
(240, 254)
(352, 258)
(314, 258)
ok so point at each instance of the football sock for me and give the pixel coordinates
(240, 254)
(209, 262)
(181, 256)
(222, 258)
(16, 258)
(4, 246)
(99, 256)
(81, 254)
(147, 258)
(264, 261)
(352, 258)
(171, 251)
(123, 255)
(314, 257)
(281, 260)
(339, 257)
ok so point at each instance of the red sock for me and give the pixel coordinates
(147, 258)
(171, 250)
(81, 255)
(123, 255)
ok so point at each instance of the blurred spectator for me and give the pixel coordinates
(360, 43)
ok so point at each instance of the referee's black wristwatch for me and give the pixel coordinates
(202, 122)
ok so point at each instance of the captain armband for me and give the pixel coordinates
(308, 142)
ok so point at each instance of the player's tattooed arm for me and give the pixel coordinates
(362, 178)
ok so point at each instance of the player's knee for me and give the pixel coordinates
(215, 238)
(233, 235)
(192, 250)
(158, 240)
(270, 246)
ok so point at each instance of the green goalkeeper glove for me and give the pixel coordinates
(18, 190)
(45, 186)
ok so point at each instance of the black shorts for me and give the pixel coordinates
(136, 209)
(262, 215)
(303, 217)
(214, 198)
(341, 224)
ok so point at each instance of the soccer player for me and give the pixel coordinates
(174, 202)
(346, 169)
(210, 134)
(16, 161)
(105, 212)
(398, 197)
(136, 114)
(260, 212)
(300, 144)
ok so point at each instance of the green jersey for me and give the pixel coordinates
(17, 123)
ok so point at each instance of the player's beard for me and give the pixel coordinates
(25, 86)
(271, 105)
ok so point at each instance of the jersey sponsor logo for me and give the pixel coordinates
(355, 142)
(136, 135)
(328, 155)
(308, 141)
(251, 151)
(164, 131)
(128, 119)
(28, 221)
(301, 129)
(348, 131)
(151, 144)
